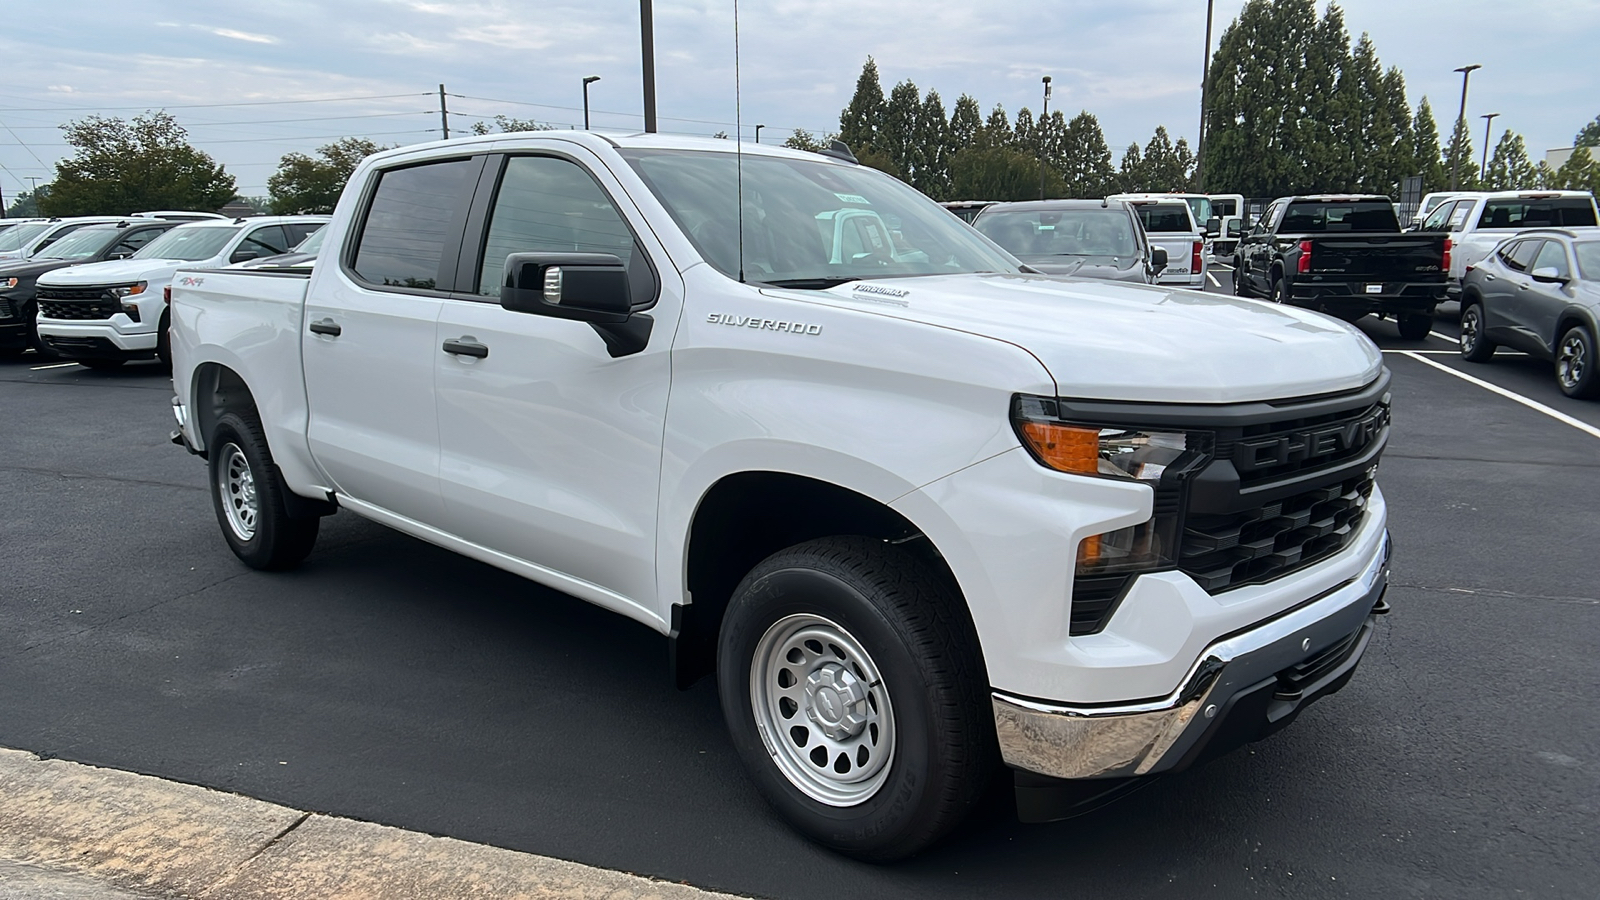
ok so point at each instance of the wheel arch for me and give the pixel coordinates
(1570, 317)
(217, 389)
(745, 517)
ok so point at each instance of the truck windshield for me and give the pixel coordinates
(809, 224)
(1543, 212)
(82, 244)
(190, 243)
(1314, 216)
(1061, 232)
(1165, 217)
(21, 235)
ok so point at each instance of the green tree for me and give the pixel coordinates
(1428, 157)
(860, 121)
(897, 137)
(305, 184)
(966, 120)
(1579, 173)
(932, 154)
(1131, 175)
(805, 140)
(1460, 147)
(1589, 135)
(996, 129)
(1085, 160)
(26, 205)
(119, 166)
(1510, 169)
(508, 125)
(999, 173)
(1022, 135)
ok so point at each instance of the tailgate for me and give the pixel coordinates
(1379, 257)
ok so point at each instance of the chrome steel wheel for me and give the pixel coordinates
(822, 710)
(1572, 361)
(1471, 329)
(236, 484)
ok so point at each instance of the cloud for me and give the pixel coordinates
(242, 35)
(61, 89)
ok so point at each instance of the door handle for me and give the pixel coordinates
(326, 326)
(466, 347)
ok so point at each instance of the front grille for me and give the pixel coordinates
(78, 310)
(1221, 552)
(72, 293)
(1271, 451)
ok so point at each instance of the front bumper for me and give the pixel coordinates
(1352, 297)
(1242, 688)
(97, 340)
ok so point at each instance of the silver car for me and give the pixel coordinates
(1538, 292)
(1088, 238)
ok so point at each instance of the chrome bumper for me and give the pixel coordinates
(1138, 739)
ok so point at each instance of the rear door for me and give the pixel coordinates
(1509, 298)
(1543, 302)
(369, 347)
(551, 446)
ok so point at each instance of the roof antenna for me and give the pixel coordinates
(738, 137)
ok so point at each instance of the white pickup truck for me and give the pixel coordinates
(1171, 224)
(917, 509)
(1477, 221)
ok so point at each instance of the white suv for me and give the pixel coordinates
(104, 314)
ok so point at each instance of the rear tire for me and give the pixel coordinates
(1414, 326)
(1475, 347)
(1575, 364)
(1280, 291)
(248, 493)
(854, 692)
(1240, 287)
(101, 365)
(164, 343)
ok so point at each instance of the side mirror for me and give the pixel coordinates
(587, 287)
(244, 254)
(1235, 229)
(1548, 274)
(1158, 258)
(1213, 226)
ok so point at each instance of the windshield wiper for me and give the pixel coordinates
(814, 284)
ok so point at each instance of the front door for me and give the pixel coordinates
(369, 341)
(550, 446)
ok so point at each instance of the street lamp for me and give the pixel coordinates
(1043, 118)
(1488, 123)
(588, 80)
(1205, 84)
(758, 133)
(1461, 125)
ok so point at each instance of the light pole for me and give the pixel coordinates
(1205, 83)
(1043, 118)
(758, 133)
(588, 80)
(647, 48)
(1488, 123)
(1461, 126)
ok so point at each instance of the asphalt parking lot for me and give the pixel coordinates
(394, 682)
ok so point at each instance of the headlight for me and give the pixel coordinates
(128, 290)
(7, 284)
(1162, 459)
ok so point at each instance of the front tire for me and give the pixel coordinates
(248, 493)
(164, 343)
(855, 695)
(1475, 346)
(1240, 287)
(1414, 326)
(1575, 364)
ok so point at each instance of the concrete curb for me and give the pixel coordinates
(142, 834)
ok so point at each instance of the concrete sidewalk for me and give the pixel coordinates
(75, 832)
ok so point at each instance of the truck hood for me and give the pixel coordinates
(116, 271)
(1118, 267)
(1110, 341)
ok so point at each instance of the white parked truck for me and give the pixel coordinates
(918, 510)
(1477, 221)
(1170, 222)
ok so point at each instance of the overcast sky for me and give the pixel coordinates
(1133, 63)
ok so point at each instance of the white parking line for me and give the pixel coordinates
(1502, 354)
(51, 366)
(1534, 405)
(1214, 281)
(1444, 337)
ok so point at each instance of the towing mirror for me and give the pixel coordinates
(1548, 274)
(1213, 226)
(587, 287)
(1158, 258)
(1235, 229)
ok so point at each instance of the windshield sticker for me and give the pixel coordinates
(881, 293)
(852, 198)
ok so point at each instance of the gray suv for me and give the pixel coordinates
(1088, 238)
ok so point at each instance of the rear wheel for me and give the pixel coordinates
(1240, 287)
(164, 342)
(1475, 347)
(1280, 290)
(1575, 364)
(248, 493)
(853, 691)
(1414, 326)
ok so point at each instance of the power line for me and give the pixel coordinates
(188, 125)
(207, 105)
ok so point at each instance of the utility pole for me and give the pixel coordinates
(647, 42)
(1488, 123)
(1461, 127)
(1044, 118)
(1205, 84)
(444, 114)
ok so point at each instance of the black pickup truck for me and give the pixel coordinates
(1345, 256)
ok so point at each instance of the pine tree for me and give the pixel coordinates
(932, 153)
(1429, 158)
(1579, 173)
(1326, 135)
(1132, 177)
(1461, 148)
(1086, 160)
(1022, 132)
(1401, 160)
(1589, 135)
(897, 138)
(965, 122)
(1510, 169)
(996, 129)
(860, 122)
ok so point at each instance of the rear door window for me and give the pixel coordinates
(408, 221)
(1518, 255)
(1312, 217)
(1538, 212)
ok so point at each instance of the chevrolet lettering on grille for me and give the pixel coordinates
(1311, 444)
